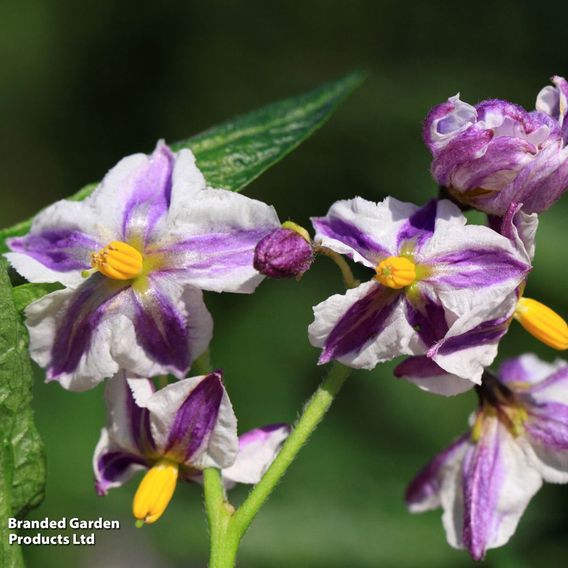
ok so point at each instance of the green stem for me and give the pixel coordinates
(312, 415)
(218, 516)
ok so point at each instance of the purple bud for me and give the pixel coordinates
(284, 253)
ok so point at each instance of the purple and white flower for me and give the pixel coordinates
(436, 278)
(176, 432)
(518, 438)
(483, 339)
(134, 257)
(496, 153)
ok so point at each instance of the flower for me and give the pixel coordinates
(174, 433)
(285, 252)
(134, 257)
(486, 478)
(435, 277)
(483, 339)
(553, 101)
(495, 153)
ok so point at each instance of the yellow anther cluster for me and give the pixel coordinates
(155, 492)
(118, 261)
(396, 272)
(543, 323)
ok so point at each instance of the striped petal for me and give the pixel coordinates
(210, 242)
(193, 422)
(363, 327)
(112, 465)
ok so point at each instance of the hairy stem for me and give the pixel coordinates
(219, 513)
(312, 415)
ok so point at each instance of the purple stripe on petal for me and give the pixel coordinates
(476, 267)
(548, 424)
(196, 417)
(112, 466)
(483, 476)
(62, 250)
(139, 421)
(81, 318)
(162, 330)
(420, 226)
(418, 367)
(428, 319)
(486, 332)
(555, 379)
(423, 491)
(364, 320)
(150, 195)
(351, 235)
(211, 255)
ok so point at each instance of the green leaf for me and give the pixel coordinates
(27, 293)
(236, 152)
(22, 460)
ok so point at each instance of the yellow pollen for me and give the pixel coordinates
(155, 492)
(396, 272)
(118, 261)
(543, 323)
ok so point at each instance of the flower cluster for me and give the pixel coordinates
(176, 432)
(135, 257)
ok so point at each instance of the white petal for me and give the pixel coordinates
(470, 362)
(221, 448)
(444, 385)
(62, 215)
(528, 368)
(118, 397)
(551, 463)
(226, 227)
(111, 195)
(187, 180)
(379, 222)
(257, 450)
(519, 486)
(105, 446)
(463, 300)
(42, 319)
(394, 339)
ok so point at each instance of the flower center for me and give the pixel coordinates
(543, 323)
(396, 272)
(118, 261)
(155, 492)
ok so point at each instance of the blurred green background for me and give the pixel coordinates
(84, 83)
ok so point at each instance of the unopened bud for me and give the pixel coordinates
(284, 253)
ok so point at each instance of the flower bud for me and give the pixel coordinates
(284, 253)
(496, 153)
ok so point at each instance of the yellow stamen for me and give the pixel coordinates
(155, 492)
(517, 416)
(543, 323)
(396, 272)
(118, 261)
(297, 229)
